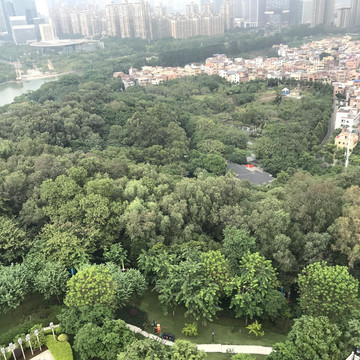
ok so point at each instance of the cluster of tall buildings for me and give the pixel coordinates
(148, 20)
(139, 19)
(348, 17)
(20, 22)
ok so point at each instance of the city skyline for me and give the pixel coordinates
(20, 20)
(177, 5)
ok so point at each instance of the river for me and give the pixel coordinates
(9, 91)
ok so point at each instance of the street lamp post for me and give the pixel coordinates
(27, 338)
(3, 352)
(12, 348)
(36, 332)
(213, 336)
(52, 329)
(21, 347)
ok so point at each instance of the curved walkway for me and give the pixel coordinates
(46, 355)
(210, 348)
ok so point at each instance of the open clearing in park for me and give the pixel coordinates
(228, 330)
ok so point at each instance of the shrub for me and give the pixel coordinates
(59, 350)
(63, 338)
(34, 340)
(190, 330)
(58, 330)
(255, 328)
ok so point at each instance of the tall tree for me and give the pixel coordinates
(51, 280)
(346, 228)
(90, 286)
(145, 350)
(256, 288)
(186, 350)
(102, 342)
(13, 241)
(73, 319)
(216, 267)
(14, 285)
(130, 285)
(327, 290)
(236, 244)
(311, 338)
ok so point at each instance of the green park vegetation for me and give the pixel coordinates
(98, 180)
(7, 72)
(221, 356)
(228, 330)
(59, 350)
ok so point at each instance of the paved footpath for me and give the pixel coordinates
(46, 355)
(210, 348)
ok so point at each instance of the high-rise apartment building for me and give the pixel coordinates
(277, 12)
(307, 11)
(217, 5)
(192, 9)
(160, 10)
(142, 20)
(112, 19)
(3, 26)
(119, 18)
(227, 11)
(208, 8)
(254, 12)
(238, 12)
(26, 8)
(126, 20)
(75, 22)
(181, 27)
(296, 11)
(61, 18)
(343, 18)
(212, 25)
(323, 12)
(87, 22)
(161, 27)
(355, 11)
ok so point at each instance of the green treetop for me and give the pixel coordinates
(92, 285)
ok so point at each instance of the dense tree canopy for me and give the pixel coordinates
(130, 190)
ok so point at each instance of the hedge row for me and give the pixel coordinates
(59, 350)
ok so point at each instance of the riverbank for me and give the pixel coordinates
(40, 76)
(9, 91)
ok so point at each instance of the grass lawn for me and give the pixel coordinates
(220, 356)
(228, 330)
(33, 307)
